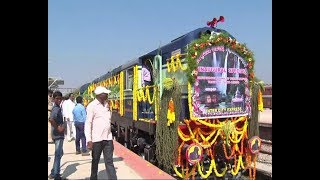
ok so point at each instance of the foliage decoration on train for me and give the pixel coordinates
(196, 117)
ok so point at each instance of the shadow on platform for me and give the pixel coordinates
(72, 168)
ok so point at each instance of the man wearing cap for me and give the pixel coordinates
(98, 133)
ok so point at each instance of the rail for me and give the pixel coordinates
(266, 147)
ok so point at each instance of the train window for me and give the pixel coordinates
(129, 79)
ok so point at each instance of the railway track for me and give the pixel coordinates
(266, 147)
(264, 160)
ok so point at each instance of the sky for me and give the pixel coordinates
(86, 39)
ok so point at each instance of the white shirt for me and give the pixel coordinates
(67, 108)
(98, 123)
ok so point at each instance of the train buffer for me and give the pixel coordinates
(128, 164)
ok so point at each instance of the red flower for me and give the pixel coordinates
(221, 19)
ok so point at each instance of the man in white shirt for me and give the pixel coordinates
(98, 133)
(67, 108)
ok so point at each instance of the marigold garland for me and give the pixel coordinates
(171, 116)
(143, 94)
(135, 93)
(212, 166)
(260, 101)
(208, 139)
(151, 101)
(252, 170)
(114, 104)
(177, 172)
(235, 172)
(121, 79)
(174, 65)
(225, 152)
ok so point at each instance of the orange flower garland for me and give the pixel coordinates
(171, 114)
(207, 138)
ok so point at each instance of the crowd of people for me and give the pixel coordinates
(89, 125)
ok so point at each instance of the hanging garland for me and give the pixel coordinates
(228, 129)
(197, 46)
(145, 95)
(252, 170)
(121, 82)
(173, 65)
(114, 104)
(171, 116)
(253, 121)
(166, 136)
(135, 94)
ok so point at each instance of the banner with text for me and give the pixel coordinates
(221, 88)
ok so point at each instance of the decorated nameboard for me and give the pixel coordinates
(221, 87)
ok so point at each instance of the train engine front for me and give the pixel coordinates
(223, 99)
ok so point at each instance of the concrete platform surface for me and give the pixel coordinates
(128, 165)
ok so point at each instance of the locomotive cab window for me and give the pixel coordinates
(129, 79)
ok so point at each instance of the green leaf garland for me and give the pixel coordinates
(197, 46)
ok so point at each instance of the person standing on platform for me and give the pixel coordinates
(67, 108)
(98, 133)
(79, 117)
(56, 121)
(50, 105)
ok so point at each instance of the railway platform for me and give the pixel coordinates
(128, 164)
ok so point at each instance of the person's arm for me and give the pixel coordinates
(71, 107)
(53, 123)
(88, 126)
(73, 113)
(53, 116)
(64, 108)
(83, 113)
(52, 120)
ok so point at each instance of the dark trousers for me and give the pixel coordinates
(80, 136)
(107, 147)
(58, 153)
